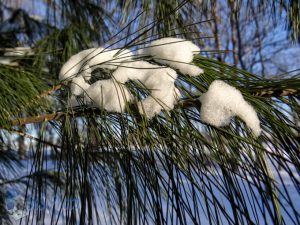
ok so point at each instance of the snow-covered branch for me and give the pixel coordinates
(188, 103)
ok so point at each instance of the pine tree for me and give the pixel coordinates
(84, 165)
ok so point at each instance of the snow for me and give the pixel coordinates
(83, 62)
(137, 70)
(221, 102)
(12, 54)
(151, 106)
(108, 94)
(111, 95)
(18, 51)
(174, 52)
(158, 79)
(73, 102)
(8, 61)
(78, 85)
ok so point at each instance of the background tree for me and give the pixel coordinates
(86, 166)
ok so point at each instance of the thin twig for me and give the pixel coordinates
(21, 133)
(182, 104)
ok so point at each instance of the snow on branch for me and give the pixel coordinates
(222, 102)
(174, 52)
(219, 104)
(85, 61)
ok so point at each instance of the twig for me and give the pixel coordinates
(54, 88)
(21, 133)
(40, 118)
(182, 104)
(277, 93)
(43, 94)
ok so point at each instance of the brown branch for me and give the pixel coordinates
(37, 119)
(277, 93)
(43, 94)
(54, 88)
(234, 40)
(25, 135)
(182, 104)
(216, 28)
(53, 116)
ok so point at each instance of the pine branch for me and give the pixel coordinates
(23, 134)
(43, 94)
(53, 116)
(182, 104)
(44, 174)
(54, 88)
(277, 93)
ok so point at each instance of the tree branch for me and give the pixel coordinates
(188, 103)
(25, 135)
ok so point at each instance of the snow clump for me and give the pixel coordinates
(84, 62)
(222, 102)
(159, 80)
(174, 52)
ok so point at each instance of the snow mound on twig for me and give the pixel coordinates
(222, 102)
(174, 52)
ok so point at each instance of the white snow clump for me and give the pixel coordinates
(110, 95)
(174, 52)
(78, 85)
(85, 61)
(221, 102)
(158, 79)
